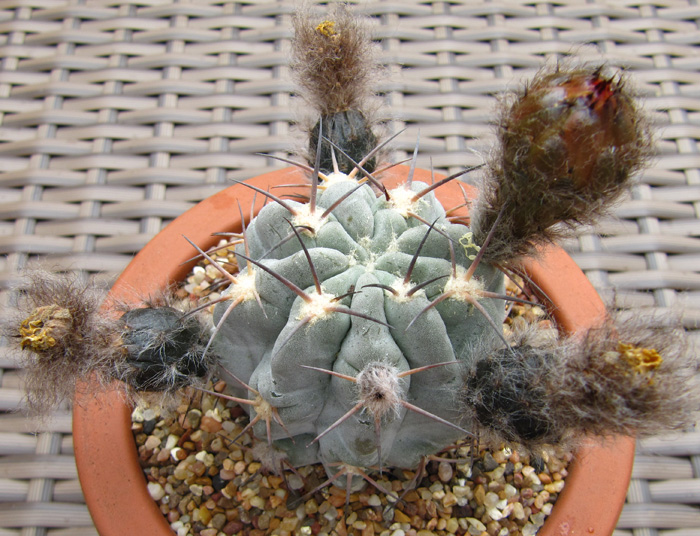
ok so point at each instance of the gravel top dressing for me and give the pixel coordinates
(211, 480)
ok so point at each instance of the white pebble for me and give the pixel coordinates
(529, 530)
(152, 442)
(538, 519)
(374, 500)
(518, 511)
(171, 442)
(156, 490)
(212, 272)
(491, 500)
(462, 491)
(214, 414)
(295, 482)
(436, 486)
(229, 426)
(137, 414)
(205, 457)
(497, 473)
(494, 513)
(506, 511)
(478, 525)
(198, 275)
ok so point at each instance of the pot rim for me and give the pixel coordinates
(112, 480)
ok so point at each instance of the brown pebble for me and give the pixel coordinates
(220, 386)
(198, 468)
(518, 480)
(400, 517)
(337, 500)
(230, 490)
(232, 527)
(193, 419)
(445, 471)
(225, 474)
(263, 522)
(218, 521)
(210, 424)
(239, 467)
(411, 496)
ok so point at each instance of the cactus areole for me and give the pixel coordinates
(353, 321)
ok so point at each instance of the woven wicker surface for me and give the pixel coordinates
(117, 116)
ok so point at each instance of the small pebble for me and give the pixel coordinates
(156, 491)
(445, 471)
(211, 425)
(152, 442)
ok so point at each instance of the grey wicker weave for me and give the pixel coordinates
(116, 116)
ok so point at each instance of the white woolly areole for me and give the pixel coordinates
(262, 407)
(305, 218)
(336, 176)
(461, 288)
(244, 289)
(402, 290)
(401, 200)
(379, 389)
(319, 306)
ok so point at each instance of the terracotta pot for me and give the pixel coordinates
(112, 480)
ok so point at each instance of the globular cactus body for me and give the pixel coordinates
(361, 253)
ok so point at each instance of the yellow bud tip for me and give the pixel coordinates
(641, 360)
(35, 330)
(327, 28)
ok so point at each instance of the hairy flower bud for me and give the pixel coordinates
(569, 143)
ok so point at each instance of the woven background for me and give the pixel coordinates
(116, 116)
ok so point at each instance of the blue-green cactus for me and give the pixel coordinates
(370, 290)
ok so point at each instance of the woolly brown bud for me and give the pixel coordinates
(61, 337)
(632, 377)
(64, 338)
(333, 60)
(334, 65)
(568, 144)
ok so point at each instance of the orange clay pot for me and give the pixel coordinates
(112, 480)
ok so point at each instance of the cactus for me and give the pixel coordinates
(368, 297)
